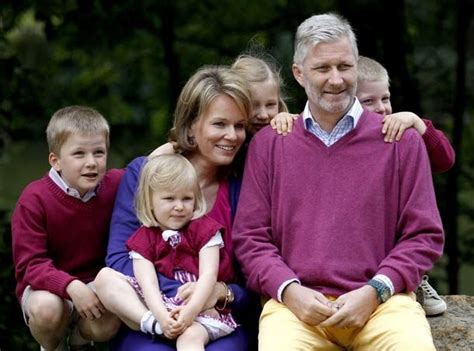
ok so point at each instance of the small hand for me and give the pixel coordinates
(85, 301)
(184, 315)
(283, 122)
(394, 125)
(169, 326)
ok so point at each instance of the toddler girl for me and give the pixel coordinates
(180, 243)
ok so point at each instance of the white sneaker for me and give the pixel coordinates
(429, 299)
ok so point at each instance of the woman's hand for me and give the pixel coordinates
(186, 290)
(211, 312)
(165, 149)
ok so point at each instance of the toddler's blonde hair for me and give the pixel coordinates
(168, 173)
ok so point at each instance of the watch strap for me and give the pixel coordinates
(382, 290)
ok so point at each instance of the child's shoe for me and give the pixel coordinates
(429, 299)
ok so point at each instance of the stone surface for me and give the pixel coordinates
(454, 329)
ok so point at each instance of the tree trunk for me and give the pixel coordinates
(167, 17)
(384, 38)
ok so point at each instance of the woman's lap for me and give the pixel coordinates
(127, 340)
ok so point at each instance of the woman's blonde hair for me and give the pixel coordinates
(258, 70)
(200, 91)
(166, 172)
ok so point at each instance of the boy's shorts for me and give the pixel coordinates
(27, 293)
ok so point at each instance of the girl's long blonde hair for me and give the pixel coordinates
(255, 69)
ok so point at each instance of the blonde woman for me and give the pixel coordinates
(209, 129)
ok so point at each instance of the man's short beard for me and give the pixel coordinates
(333, 107)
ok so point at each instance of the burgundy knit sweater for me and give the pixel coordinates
(58, 238)
(440, 151)
(149, 243)
(333, 217)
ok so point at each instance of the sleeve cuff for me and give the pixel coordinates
(283, 286)
(430, 137)
(387, 281)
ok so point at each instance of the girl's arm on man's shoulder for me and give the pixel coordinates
(283, 122)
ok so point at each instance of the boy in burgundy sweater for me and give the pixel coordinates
(373, 92)
(60, 228)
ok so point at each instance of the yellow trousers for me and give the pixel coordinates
(398, 324)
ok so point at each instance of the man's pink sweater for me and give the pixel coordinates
(333, 217)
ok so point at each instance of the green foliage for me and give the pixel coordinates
(465, 198)
(130, 59)
(13, 331)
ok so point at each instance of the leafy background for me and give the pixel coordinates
(129, 59)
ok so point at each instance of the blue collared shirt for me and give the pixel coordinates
(59, 181)
(342, 127)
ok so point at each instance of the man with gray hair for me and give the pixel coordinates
(335, 226)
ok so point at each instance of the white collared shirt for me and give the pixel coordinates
(59, 181)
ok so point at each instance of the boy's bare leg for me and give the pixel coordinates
(49, 317)
(101, 329)
(119, 297)
(193, 339)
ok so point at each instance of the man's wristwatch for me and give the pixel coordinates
(383, 291)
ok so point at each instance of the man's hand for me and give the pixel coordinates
(355, 308)
(308, 305)
(85, 300)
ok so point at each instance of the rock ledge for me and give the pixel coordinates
(454, 330)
